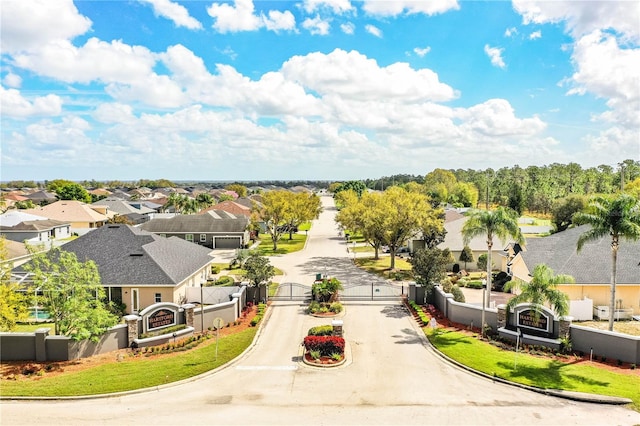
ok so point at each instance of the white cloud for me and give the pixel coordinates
(409, 7)
(373, 30)
(353, 75)
(241, 16)
(13, 104)
(609, 71)
(29, 24)
(96, 60)
(535, 35)
(496, 118)
(174, 12)
(495, 54)
(230, 18)
(422, 52)
(316, 26)
(114, 113)
(584, 17)
(336, 6)
(510, 32)
(12, 80)
(67, 135)
(348, 28)
(279, 21)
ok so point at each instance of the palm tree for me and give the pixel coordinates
(618, 217)
(501, 223)
(542, 289)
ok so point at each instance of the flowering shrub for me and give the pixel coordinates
(327, 345)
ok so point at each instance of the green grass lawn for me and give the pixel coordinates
(31, 327)
(284, 244)
(382, 266)
(134, 373)
(575, 376)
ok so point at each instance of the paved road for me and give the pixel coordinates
(392, 377)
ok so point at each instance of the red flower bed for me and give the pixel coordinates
(327, 345)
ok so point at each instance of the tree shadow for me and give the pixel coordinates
(394, 311)
(341, 268)
(550, 377)
(410, 337)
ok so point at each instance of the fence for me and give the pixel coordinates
(41, 347)
(612, 345)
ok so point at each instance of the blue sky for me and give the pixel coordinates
(314, 89)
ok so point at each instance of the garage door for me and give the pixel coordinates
(228, 243)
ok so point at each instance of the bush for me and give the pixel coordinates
(226, 281)
(336, 307)
(215, 269)
(321, 330)
(474, 284)
(458, 296)
(327, 345)
(446, 285)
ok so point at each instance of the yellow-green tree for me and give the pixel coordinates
(405, 214)
(72, 293)
(13, 303)
(302, 207)
(272, 214)
(239, 189)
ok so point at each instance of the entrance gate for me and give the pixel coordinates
(372, 292)
(292, 291)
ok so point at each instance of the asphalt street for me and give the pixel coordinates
(392, 375)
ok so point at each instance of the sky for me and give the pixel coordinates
(313, 89)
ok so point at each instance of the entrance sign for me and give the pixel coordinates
(161, 318)
(528, 319)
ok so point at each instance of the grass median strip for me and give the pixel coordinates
(133, 372)
(547, 373)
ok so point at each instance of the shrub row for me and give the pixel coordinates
(418, 310)
(259, 315)
(327, 345)
(321, 330)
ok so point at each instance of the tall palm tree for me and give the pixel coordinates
(542, 289)
(618, 217)
(501, 223)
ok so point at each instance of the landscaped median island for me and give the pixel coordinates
(322, 347)
(126, 370)
(531, 365)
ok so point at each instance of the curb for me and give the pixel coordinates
(558, 393)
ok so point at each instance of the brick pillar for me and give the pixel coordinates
(132, 327)
(502, 316)
(188, 314)
(564, 327)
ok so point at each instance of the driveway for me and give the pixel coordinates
(392, 376)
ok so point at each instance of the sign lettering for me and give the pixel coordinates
(161, 318)
(527, 318)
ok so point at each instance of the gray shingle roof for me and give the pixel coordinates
(592, 265)
(127, 255)
(214, 221)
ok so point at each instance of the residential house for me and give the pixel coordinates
(19, 226)
(139, 268)
(134, 211)
(82, 217)
(591, 268)
(229, 206)
(215, 229)
(42, 198)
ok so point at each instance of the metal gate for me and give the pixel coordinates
(292, 291)
(373, 291)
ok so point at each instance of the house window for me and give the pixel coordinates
(203, 238)
(158, 297)
(189, 237)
